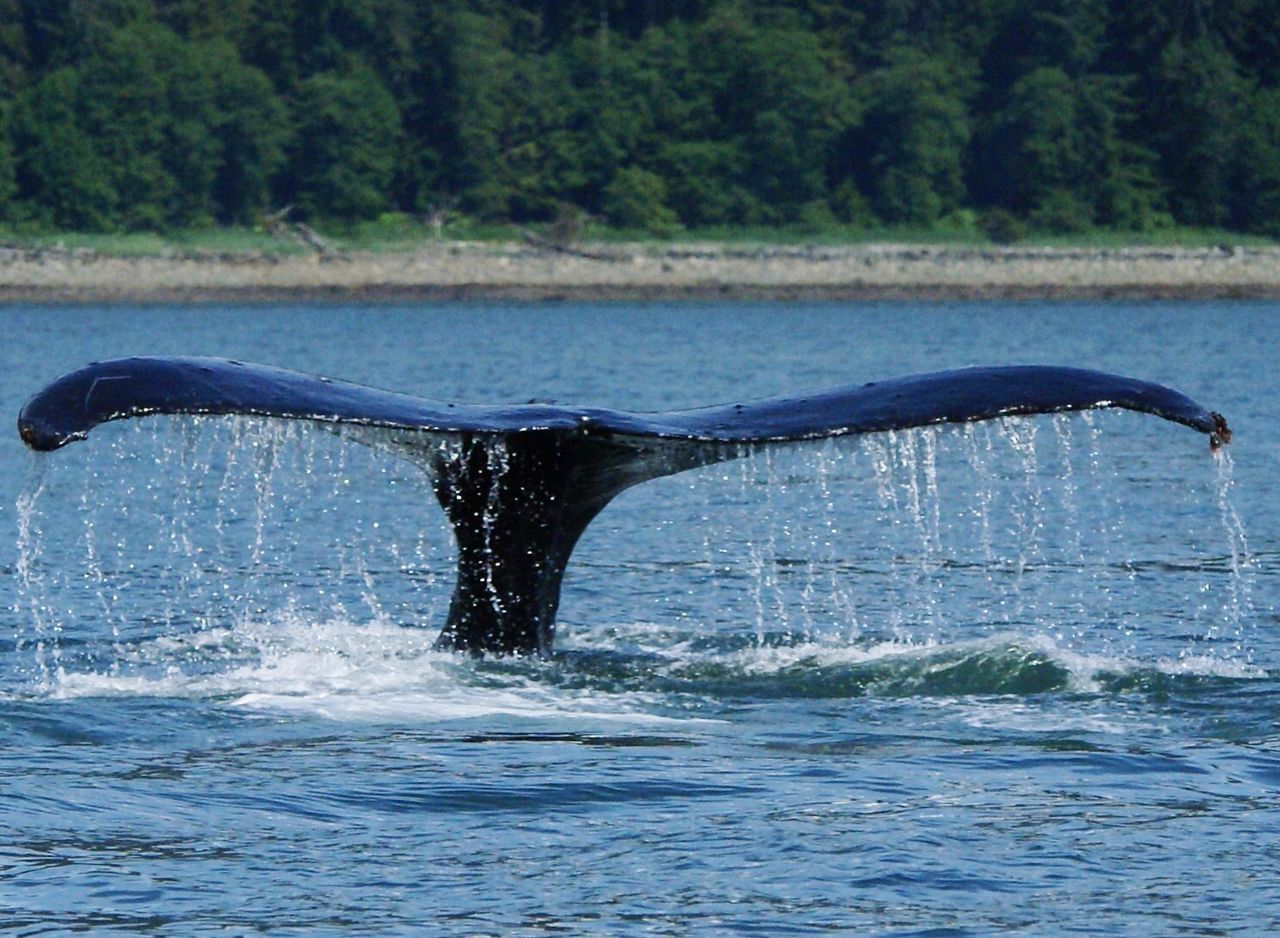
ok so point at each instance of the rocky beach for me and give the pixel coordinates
(520, 271)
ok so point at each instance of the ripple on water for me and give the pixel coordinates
(1002, 678)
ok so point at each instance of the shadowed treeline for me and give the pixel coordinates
(1051, 115)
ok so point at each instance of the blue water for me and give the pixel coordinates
(1020, 678)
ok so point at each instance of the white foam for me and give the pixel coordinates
(1084, 670)
(1209, 666)
(1084, 667)
(772, 659)
(372, 672)
(678, 647)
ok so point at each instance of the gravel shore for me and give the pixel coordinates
(449, 270)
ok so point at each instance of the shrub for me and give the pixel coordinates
(637, 198)
(1001, 226)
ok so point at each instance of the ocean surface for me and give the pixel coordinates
(1020, 677)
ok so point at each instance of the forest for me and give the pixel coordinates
(650, 115)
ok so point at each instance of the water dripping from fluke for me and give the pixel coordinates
(519, 484)
(1240, 608)
(31, 602)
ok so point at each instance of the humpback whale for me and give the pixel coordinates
(520, 483)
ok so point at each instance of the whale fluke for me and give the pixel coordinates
(520, 483)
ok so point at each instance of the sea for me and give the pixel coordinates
(1018, 677)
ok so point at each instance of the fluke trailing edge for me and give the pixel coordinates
(520, 483)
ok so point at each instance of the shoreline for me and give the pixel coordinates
(445, 271)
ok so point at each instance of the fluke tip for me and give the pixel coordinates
(1221, 434)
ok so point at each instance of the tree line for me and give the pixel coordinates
(1060, 115)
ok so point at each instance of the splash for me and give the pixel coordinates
(369, 672)
(224, 558)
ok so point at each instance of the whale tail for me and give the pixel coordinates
(519, 484)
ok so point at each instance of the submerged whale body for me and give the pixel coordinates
(519, 484)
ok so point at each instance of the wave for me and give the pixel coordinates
(380, 672)
(783, 667)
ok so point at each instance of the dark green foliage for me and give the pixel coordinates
(637, 198)
(251, 129)
(1052, 115)
(61, 178)
(8, 183)
(777, 101)
(1056, 154)
(206, 19)
(13, 57)
(123, 106)
(343, 154)
(148, 132)
(1254, 202)
(1038, 144)
(909, 152)
(476, 87)
(1001, 226)
(701, 178)
(1201, 103)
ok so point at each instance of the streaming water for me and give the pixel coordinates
(1239, 609)
(1018, 676)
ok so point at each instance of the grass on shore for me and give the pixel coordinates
(153, 244)
(396, 232)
